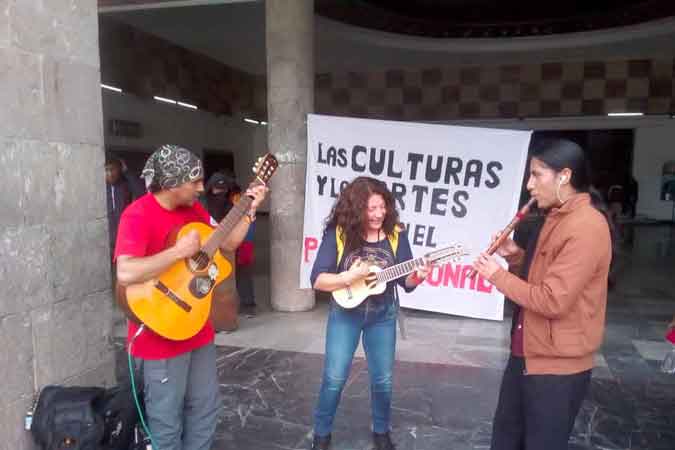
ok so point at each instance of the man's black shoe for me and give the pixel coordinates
(321, 442)
(382, 441)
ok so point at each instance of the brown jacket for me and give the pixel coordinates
(565, 296)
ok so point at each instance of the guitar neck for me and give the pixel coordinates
(399, 270)
(225, 227)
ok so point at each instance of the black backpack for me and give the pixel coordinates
(65, 418)
(120, 417)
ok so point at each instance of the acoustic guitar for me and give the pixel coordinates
(176, 304)
(376, 281)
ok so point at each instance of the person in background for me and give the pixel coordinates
(616, 198)
(632, 196)
(245, 259)
(222, 192)
(122, 187)
(217, 194)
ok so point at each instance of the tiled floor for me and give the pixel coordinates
(448, 373)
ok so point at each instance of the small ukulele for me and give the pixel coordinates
(376, 281)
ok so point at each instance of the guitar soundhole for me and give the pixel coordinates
(200, 286)
(198, 262)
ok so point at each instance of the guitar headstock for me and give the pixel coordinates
(265, 167)
(451, 253)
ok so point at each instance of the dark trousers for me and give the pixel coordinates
(244, 277)
(536, 412)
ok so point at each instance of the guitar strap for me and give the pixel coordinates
(393, 241)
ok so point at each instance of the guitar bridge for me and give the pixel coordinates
(161, 287)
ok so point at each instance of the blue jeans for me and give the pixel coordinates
(376, 322)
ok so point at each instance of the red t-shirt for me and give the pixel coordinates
(143, 231)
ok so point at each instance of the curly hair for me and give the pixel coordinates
(350, 209)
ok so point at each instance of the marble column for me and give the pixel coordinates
(290, 97)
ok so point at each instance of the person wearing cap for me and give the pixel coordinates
(217, 196)
(222, 192)
(181, 389)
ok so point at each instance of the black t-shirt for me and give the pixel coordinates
(379, 253)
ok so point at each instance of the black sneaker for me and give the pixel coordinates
(382, 441)
(321, 443)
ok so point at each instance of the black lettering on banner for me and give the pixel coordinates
(459, 209)
(342, 157)
(332, 156)
(420, 192)
(430, 238)
(358, 149)
(428, 170)
(377, 165)
(439, 197)
(433, 174)
(414, 159)
(336, 192)
(418, 235)
(454, 167)
(391, 170)
(398, 190)
(494, 177)
(336, 186)
(322, 182)
(474, 169)
(320, 159)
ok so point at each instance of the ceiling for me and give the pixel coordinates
(234, 34)
(492, 19)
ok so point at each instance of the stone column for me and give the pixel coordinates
(55, 299)
(290, 97)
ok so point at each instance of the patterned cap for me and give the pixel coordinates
(170, 166)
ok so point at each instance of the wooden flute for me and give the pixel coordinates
(506, 232)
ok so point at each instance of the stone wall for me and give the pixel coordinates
(55, 300)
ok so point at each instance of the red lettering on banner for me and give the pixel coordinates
(434, 277)
(456, 276)
(311, 244)
(483, 285)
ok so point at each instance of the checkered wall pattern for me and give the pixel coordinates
(543, 90)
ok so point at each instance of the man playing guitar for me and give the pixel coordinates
(180, 384)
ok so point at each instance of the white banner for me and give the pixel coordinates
(451, 184)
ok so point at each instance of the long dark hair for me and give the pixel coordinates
(350, 209)
(559, 154)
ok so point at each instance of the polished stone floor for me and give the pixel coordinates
(448, 372)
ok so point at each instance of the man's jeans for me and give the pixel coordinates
(182, 399)
(376, 322)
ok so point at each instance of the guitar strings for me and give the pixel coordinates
(202, 258)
